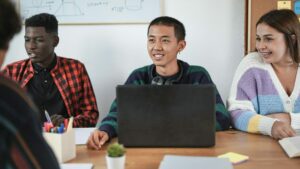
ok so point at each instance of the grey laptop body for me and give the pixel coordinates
(166, 116)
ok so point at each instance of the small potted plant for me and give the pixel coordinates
(115, 157)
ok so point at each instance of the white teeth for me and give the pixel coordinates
(32, 55)
(265, 53)
(158, 56)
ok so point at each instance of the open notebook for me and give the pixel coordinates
(291, 145)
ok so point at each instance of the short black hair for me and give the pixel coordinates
(10, 23)
(169, 21)
(48, 21)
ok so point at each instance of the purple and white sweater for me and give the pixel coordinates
(255, 92)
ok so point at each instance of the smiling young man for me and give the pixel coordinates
(58, 85)
(166, 38)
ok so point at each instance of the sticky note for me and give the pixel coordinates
(297, 7)
(284, 5)
(234, 158)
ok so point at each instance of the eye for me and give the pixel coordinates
(269, 39)
(150, 40)
(40, 40)
(258, 39)
(165, 40)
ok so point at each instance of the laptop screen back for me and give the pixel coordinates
(166, 116)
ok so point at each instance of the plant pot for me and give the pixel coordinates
(115, 162)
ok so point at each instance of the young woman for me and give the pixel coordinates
(264, 96)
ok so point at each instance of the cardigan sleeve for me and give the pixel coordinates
(295, 120)
(243, 101)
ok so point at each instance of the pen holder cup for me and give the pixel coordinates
(62, 144)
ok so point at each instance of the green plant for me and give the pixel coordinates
(115, 150)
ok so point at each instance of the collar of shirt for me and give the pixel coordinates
(38, 69)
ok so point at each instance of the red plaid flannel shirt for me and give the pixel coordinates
(73, 83)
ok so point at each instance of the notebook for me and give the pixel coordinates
(291, 146)
(76, 166)
(166, 116)
(194, 162)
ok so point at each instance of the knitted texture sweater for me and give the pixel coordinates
(255, 92)
(190, 75)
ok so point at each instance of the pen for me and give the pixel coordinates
(48, 117)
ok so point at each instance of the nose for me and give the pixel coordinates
(157, 46)
(31, 45)
(260, 45)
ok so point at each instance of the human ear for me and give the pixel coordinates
(55, 40)
(181, 45)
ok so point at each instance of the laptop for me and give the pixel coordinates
(166, 116)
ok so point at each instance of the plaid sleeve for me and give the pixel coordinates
(87, 116)
(10, 72)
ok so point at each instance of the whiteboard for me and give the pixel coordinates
(94, 11)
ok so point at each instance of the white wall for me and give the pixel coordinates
(215, 40)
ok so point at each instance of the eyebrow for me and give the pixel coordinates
(267, 35)
(33, 36)
(165, 36)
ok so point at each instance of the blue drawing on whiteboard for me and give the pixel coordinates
(68, 8)
(93, 11)
(133, 4)
(36, 6)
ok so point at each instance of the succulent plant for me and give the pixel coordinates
(115, 150)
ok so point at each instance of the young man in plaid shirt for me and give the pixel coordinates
(58, 85)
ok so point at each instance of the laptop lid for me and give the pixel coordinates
(166, 116)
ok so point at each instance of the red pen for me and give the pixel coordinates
(66, 121)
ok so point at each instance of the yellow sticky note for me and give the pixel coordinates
(284, 5)
(234, 158)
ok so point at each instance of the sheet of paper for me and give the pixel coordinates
(76, 166)
(82, 135)
(297, 132)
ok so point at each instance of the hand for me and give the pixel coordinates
(57, 119)
(97, 139)
(282, 130)
(284, 117)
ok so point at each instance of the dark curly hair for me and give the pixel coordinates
(10, 23)
(48, 21)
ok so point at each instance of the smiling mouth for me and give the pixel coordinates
(32, 55)
(265, 54)
(158, 56)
